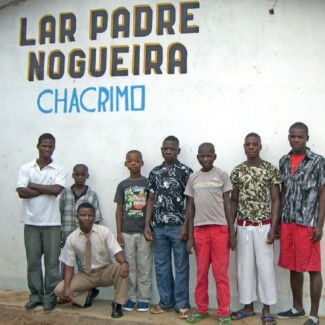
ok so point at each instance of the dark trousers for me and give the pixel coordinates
(41, 241)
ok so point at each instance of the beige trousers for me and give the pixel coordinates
(106, 276)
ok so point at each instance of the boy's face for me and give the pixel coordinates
(133, 162)
(206, 157)
(170, 151)
(46, 148)
(80, 175)
(86, 218)
(298, 140)
(252, 147)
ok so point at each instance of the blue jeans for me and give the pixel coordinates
(173, 293)
(41, 241)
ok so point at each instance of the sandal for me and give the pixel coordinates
(224, 321)
(196, 317)
(268, 319)
(159, 310)
(184, 313)
(241, 314)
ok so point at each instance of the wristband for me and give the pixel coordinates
(124, 262)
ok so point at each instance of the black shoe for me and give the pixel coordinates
(89, 300)
(94, 293)
(47, 306)
(116, 310)
(32, 304)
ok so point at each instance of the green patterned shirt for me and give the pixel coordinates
(254, 184)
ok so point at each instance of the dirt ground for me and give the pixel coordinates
(15, 317)
(12, 312)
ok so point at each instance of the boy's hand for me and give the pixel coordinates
(124, 272)
(148, 234)
(120, 240)
(271, 236)
(183, 233)
(316, 234)
(277, 233)
(68, 293)
(190, 246)
(232, 241)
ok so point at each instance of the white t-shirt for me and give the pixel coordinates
(42, 210)
(207, 189)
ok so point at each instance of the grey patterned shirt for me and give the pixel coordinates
(302, 188)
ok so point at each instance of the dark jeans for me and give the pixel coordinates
(41, 241)
(173, 293)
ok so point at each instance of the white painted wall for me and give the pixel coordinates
(247, 71)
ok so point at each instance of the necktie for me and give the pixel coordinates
(88, 253)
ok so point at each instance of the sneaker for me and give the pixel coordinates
(129, 305)
(290, 314)
(224, 321)
(142, 306)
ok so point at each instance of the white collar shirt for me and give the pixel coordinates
(104, 246)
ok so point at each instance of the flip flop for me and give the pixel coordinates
(184, 313)
(159, 310)
(196, 317)
(268, 319)
(241, 314)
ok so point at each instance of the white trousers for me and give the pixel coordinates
(255, 265)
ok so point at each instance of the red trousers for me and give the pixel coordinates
(211, 247)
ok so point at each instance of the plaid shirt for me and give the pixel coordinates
(302, 188)
(69, 205)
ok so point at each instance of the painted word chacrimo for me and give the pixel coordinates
(92, 100)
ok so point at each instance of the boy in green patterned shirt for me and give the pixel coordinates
(255, 201)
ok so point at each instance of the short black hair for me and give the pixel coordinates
(137, 152)
(45, 136)
(208, 145)
(86, 205)
(299, 125)
(85, 167)
(172, 138)
(254, 135)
